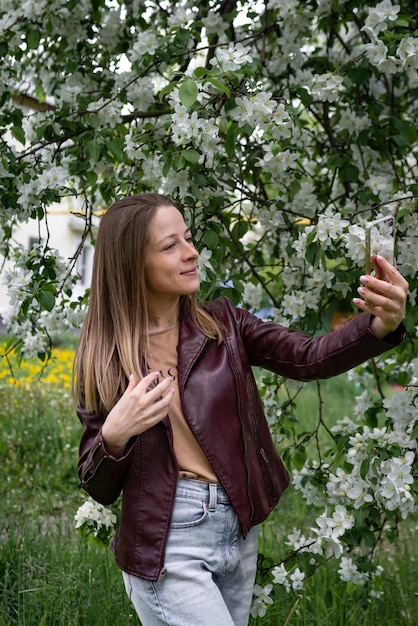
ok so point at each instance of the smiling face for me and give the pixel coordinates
(170, 256)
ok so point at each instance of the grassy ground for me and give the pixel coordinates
(48, 575)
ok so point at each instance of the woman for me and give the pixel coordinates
(172, 418)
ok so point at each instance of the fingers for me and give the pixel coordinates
(148, 396)
(153, 387)
(149, 384)
(381, 297)
(388, 272)
(384, 295)
(151, 398)
(388, 286)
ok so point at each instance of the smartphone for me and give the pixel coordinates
(380, 239)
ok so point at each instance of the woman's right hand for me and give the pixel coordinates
(143, 405)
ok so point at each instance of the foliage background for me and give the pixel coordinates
(280, 127)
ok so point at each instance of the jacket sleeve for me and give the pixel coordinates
(101, 474)
(296, 355)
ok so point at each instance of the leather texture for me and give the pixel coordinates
(222, 406)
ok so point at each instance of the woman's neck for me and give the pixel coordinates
(164, 317)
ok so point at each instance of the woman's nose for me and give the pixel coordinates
(190, 250)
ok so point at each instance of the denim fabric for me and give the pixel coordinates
(210, 568)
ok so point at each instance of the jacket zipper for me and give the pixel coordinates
(237, 377)
(260, 448)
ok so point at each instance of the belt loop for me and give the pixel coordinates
(213, 497)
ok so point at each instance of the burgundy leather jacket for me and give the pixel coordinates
(222, 406)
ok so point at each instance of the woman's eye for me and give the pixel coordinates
(169, 246)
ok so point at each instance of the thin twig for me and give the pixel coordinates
(298, 599)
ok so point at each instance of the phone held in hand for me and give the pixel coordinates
(380, 239)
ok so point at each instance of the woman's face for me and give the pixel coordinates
(170, 256)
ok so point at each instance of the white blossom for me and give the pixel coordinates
(330, 228)
(204, 264)
(231, 58)
(379, 15)
(349, 572)
(255, 109)
(262, 598)
(213, 23)
(181, 17)
(280, 574)
(408, 52)
(95, 516)
(297, 577)
(328, 87)
(252, 295)
(146, 43)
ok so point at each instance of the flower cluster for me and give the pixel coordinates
(232, 58)
(380, 480)
(261, 599)
(95, 522)
(46, 297)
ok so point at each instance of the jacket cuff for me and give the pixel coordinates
(99, 455)
(393, 338)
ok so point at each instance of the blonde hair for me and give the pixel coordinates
(113, 339)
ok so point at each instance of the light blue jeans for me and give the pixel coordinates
(210, 568)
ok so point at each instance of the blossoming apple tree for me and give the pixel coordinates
(281, 127)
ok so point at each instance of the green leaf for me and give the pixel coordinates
(313, 254)
(33, 38)
(361, 515)
(192, 156)
(240, 228)
(166, 90)
(46, 299)
(348, 173)
(334, 161)
(401, 142)
(369, 538)
(211, 239)
(304, 96)
(19, 134)
(298, 458)
(179, 162)
(371, 416)
(93, 150)
(200, 72)
(231, 137)
(220, 86)
(188, 93)
(115, 147)
(93, 120)
(167, 163)
(414, 434)
(364, 468)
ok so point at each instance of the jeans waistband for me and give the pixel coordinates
(211, 493)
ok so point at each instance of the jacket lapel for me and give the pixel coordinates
(191, 344)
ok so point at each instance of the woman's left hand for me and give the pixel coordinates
(383, 295)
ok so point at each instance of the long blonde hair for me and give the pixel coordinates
(113, 339)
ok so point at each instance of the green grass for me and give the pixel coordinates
(48, 575)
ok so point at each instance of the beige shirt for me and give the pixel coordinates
(190, 457)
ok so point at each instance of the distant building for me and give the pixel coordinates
(65, 229)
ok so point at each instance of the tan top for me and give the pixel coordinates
(190, 457)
